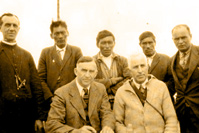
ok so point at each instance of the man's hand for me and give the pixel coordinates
(85, 129)
(116, 80)
(38, 126)
(107, 129)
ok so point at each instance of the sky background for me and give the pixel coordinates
(126, 19)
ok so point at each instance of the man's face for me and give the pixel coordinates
(106, 45)
(86, 72)
(139, 69)
(59, 35)
(10, 28)
(148, 46)
(181, 38)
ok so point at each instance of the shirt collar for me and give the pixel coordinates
(100, 56)
(143, 84)
(80, 88)
(59, 49)
(8, 43)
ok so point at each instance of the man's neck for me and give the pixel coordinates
(10, 43)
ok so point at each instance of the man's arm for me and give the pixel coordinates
(42, 70)
(106, 113)
(171, 122)
(119, 112)
(57, 114)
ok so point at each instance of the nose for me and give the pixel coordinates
(180, 40)
(147, 45)
(139, 69)
(11, 27)
(87, 74)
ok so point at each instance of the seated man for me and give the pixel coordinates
(112, 68)
(82, 105)
(143, 103)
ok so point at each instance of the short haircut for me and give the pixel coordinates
(134, 56)
(181, 25)
(57, 24)
(145, 35)
(6, 14)
(85, 59)
(102, 34)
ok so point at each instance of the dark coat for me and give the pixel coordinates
(55, 73)
(188, 95)
(17, 107)
(67, 111)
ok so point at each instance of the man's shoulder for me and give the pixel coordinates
(98, 85)
(74, 47)
(65, 88)
(48, 48)
(163, 56)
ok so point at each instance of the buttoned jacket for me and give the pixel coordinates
(55, 73)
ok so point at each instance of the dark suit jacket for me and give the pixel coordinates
(55, 73)
(189, 94)
(159, 67)
(67, 112)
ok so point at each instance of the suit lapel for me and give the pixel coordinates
(76, 100)
(55, 57)
(193, 61)
(155, 61)
(67, 55)
(175, 77)
(93, 98)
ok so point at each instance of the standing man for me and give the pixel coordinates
(112, 68)
(143, 104)
(81, 106)
(20, 87)
(158, 64)
(185, 70)
(57, 63)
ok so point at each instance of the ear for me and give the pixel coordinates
(51, 35)
(67, 33)
(75, 71)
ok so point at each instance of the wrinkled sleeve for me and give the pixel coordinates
(56, 116)
(119, 112)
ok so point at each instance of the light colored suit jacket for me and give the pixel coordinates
(67, 112)
(128, 109)
(55, 73)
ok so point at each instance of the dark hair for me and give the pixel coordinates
(145, 35)
(85, 59)
(102, 34)
(57, 24)
(182, 25)
(6, 14)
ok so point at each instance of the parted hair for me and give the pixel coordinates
(57, 24)
(6, 14)
(145, 35)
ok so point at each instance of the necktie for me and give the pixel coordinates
(183, 60)
(59, 53)
(142, 90)
(85, 96)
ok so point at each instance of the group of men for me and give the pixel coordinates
(105, 93)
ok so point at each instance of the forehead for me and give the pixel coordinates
(59, 29)
(148, 39)
(139, 60)
(10, 19)
(87, 65)
(108, 38)
(180, 31)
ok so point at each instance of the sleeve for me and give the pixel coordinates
(36, 88)
(106, 113)
(171, 122)
(119, 112)
(78, 54)
(57, 114)
(42, 70)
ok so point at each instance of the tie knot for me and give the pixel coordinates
(85, 91)
(142, 90)
(60, 50)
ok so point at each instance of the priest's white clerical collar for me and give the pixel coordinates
(8, 43)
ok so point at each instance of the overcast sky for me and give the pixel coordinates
(126, 19)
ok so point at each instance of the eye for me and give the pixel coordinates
(7, 25)
(15, 25)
